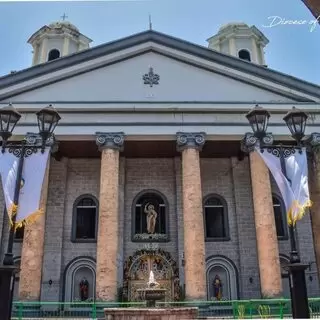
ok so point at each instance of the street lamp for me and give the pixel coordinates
(296, 122)
(48, 119)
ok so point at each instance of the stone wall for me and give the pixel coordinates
(146, 174)
(229, 178)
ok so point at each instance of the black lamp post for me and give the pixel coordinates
(48, 119)
(296, 122)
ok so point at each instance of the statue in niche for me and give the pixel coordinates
(217, 288)
(84, 289)
(151, 217)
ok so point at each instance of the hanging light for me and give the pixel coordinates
(296, 122)
(258, 119)
(48, 119)
(9, 117)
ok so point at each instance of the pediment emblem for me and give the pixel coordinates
(151, 78)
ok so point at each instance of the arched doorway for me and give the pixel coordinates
(137, 270)
(221, 279)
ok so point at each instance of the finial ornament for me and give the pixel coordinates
(193, 140)
(110, 140)
(150, 22)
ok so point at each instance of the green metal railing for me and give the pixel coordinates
(237, 309)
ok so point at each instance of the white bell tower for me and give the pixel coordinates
(57, 40)
(240, 40)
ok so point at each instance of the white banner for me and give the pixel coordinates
(34, 169)
(295, 194)
(297, 172)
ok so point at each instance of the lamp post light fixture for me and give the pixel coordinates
(48, 119)
(296, 122)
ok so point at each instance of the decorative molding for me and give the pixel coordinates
(194, 140)
(159, 237)
(286, 152)
(110, 140)
(151, 78)
(250, 141)
(140, 255)
(36, 140)
(313, 142)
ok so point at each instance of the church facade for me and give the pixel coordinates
(149, 174)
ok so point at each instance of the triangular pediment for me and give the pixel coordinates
(189, 73)
(125, 81)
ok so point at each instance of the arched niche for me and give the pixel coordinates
(150, 208)
(222, 269)
(80, 280)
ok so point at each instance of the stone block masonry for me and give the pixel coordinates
(151, 314)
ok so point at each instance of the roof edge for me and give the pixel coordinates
(168, 41)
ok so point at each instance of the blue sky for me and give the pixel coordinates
(293, 49)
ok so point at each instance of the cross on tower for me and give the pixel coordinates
(64, 17)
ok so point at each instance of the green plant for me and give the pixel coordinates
(241, 311)
(264, 311)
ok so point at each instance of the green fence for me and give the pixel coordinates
(238, 309)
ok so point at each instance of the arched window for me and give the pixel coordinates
(216, 218)
(280, 217)
(150, 217)
(53, 54)
(19, 234)
(244, 55)
(85, 215)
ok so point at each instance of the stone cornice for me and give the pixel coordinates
(110, 140)
(194, 140)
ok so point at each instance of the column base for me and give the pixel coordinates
(298, 290)
(6, 290)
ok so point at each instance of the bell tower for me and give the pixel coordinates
(240, 40)
(56, 40)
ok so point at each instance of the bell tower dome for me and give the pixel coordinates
(240, 40)
(56, 40)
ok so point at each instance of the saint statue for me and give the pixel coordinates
(84, 289)
(217, 288)
(151, 217)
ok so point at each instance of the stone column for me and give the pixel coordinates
(110, 145)
(33, 243)
(267, 242)
(189, 144)
(315, 209)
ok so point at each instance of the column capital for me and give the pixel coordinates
(110, 140)
(194, 140)
(36, 140)
(313, 142)
(250, 141)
